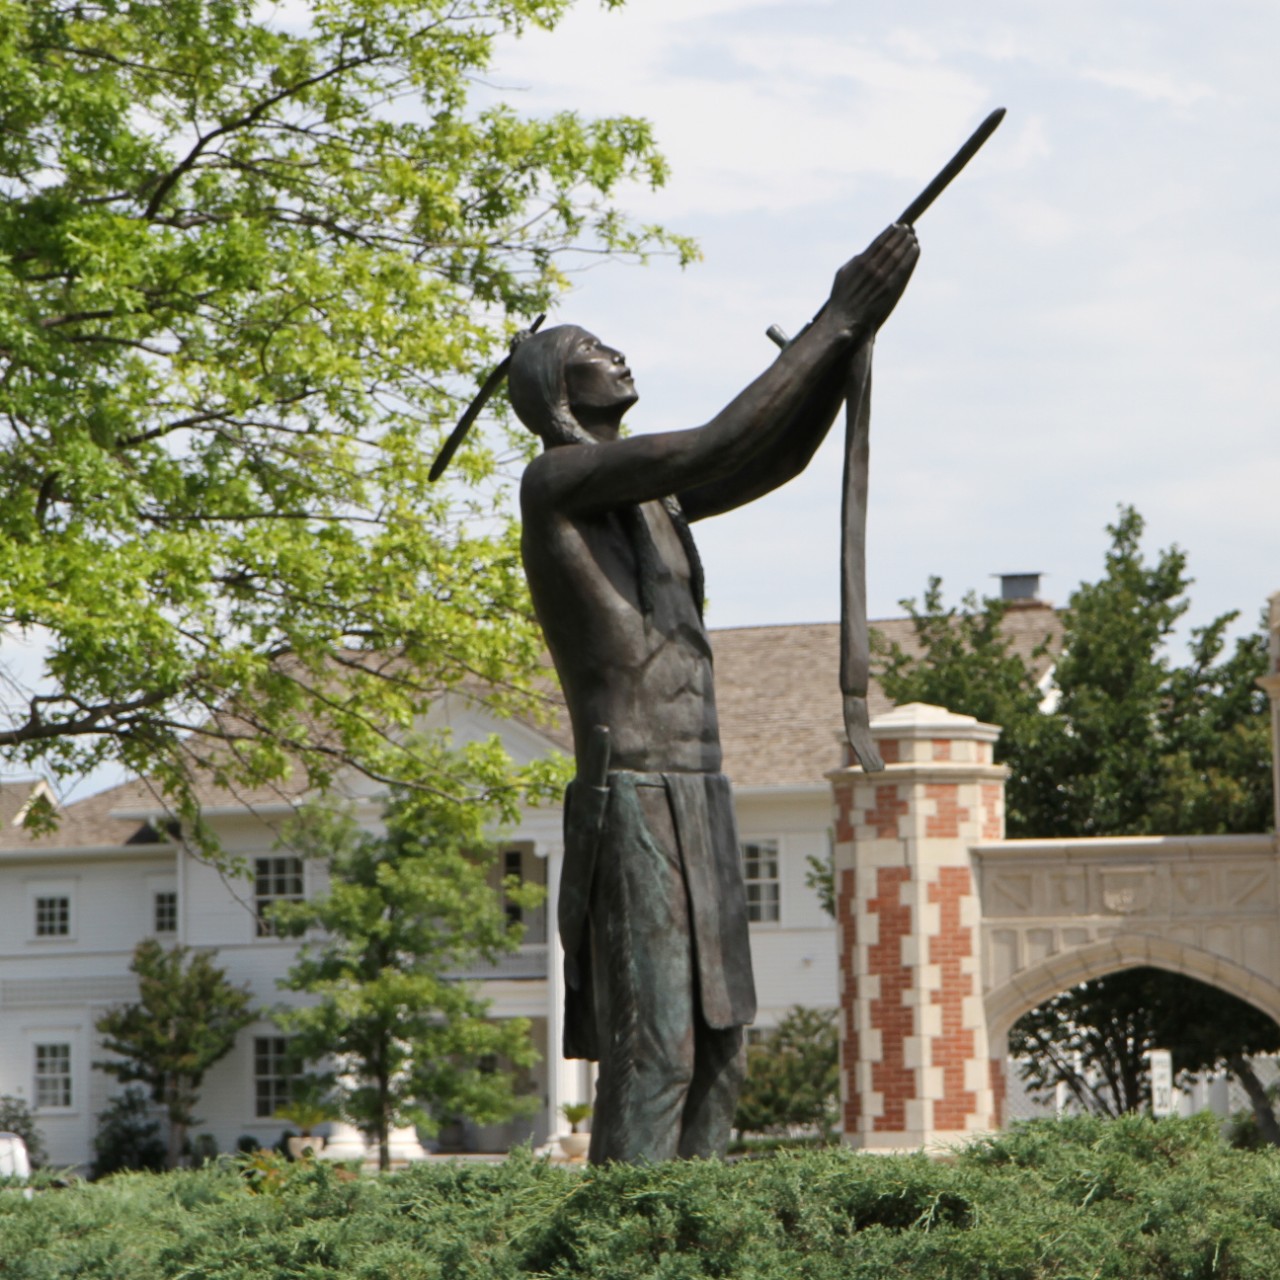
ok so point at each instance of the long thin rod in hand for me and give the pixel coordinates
(951, 169)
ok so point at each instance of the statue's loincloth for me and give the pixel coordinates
(712, 893)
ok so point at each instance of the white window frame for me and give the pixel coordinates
(44, 890)
(762, 907)
(512, 865)
(156, 895)
(53, 915)
(262, 926)
(256, 1077)
(67, 1078)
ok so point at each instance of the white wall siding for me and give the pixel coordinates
(794, 959)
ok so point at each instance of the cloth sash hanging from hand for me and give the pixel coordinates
(855, 643)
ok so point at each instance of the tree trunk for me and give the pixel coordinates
(177, 1141)
(1242, 1069)
(175, 1106)
(384, 1125)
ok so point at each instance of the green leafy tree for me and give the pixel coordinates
(1133, 744)
(186, 1018)
(397, 1037)
(250, 257)
(793, 1078)
(16, 1117)
(965, 662)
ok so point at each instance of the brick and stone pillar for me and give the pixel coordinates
(1271, 683)
(915, 1066)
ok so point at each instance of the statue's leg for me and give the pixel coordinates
(720, 1067)
(643, 973)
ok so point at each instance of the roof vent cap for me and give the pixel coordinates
(1019, 587)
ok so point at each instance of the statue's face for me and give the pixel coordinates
(598, 381)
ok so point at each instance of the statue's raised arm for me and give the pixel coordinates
(761, 439)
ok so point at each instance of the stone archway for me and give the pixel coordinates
(1005, 1005)
(947, 932)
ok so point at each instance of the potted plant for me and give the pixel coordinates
(306, 1113)
(575, 1143)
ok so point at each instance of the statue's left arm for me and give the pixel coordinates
(807, 415)
(806, 428)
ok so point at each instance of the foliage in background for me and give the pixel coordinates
(1133, 744)
(966, 663)
(820, 878)
(1119, 1200)
(1094, 1039)
(398, 1039)
(793, 1079)
(1243, 1128)
(250, 256)
(128, 1136)
(186, 1018)
(16, 1117)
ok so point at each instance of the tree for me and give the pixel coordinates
(16, 1117)
(186, 1018)
(1132, 744)
(1094, 1039)
(793, 1078)
(248, 263)
(128, 1136)
(398, 1038)
(966, 663)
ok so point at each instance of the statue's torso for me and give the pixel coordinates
(649, 679)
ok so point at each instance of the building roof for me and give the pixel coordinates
(83, 824)
(16, 797)
(777, 693)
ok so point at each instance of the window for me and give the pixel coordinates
(277, 879)
(165, 906)
(513, 869)
(53, 1075)
(273, 1076)
(760, 871)
(53, 916)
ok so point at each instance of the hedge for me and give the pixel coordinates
(1072, 1200)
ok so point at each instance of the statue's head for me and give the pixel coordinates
(567, 387)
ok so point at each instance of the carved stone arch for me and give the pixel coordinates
(1007, 1003)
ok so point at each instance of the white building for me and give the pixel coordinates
(74, 904)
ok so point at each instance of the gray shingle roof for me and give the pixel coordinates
(778, 692)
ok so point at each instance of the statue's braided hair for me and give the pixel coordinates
(540, 396)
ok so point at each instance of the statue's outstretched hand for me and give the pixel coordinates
(868, 287)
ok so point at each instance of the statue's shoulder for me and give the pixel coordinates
(550, 480)
(537, 485)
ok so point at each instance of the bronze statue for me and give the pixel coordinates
(652, 909)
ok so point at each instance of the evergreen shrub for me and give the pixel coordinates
(1127, 1199)
(128, 1136)
(17, 1117)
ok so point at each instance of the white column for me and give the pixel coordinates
(566, 1080)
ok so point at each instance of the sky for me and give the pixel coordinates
(1092, 319)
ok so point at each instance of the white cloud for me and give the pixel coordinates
(1038, 222)
(765, 121)
(1151, 86)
